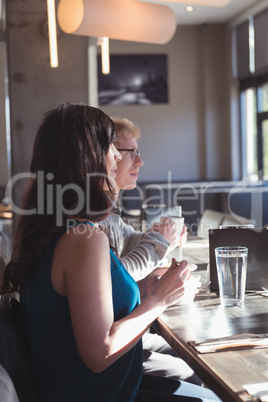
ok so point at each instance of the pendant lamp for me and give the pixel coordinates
(129, 20)
(52, 34)
(209, 3)
(105, 54)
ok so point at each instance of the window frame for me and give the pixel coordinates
(254, 82)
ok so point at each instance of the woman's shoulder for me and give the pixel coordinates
(81, 247)
(85, 234)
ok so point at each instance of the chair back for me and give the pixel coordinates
(14, 355)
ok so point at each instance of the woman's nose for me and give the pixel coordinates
(138, 161)
(117, 155)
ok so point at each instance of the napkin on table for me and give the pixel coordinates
(259, 390)
(238, 341)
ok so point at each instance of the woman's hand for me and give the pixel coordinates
(167, 228)
(146, 284)
(183, 236)
(171, 286)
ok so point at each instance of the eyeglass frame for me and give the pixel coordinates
(135, 152)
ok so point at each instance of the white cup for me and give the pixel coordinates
(178, 220)
(191, 287)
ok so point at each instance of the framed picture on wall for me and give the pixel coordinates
(139, 79)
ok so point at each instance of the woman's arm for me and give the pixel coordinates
(81, 271)
(139, 252)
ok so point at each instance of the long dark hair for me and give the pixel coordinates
(69, 161)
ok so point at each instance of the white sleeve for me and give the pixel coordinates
(139, 252)
(143, 252)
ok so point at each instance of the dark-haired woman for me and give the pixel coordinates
(80, 309)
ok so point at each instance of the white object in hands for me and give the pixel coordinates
(178, 220)
(191, 289)
(192, 267)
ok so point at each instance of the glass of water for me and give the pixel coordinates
(231, 264)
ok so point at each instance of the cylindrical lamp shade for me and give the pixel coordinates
(210, 3)
(129, 20)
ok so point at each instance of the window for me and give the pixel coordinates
(254, 129)
(249, 132)
(265, 148)
(252, 72)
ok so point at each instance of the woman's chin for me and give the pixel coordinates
(130, 186)
(112, 183)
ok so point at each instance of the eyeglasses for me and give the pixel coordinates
(135, 152)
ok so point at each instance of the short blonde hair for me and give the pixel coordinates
(125, 128)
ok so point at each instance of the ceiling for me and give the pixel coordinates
(208, 15)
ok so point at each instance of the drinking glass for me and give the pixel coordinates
(231, 264)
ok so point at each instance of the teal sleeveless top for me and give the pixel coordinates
(61, 374)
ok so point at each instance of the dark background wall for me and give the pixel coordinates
(189, 138)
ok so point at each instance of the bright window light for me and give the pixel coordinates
(52, 33)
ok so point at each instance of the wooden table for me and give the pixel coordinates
(195, 251)
(224, 372)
